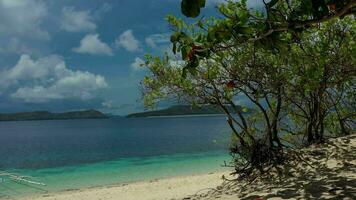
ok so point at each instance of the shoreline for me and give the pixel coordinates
(177, 187)
(320, 171)
(113, 174)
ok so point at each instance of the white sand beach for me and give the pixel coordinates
(329, 172)
(170, 188)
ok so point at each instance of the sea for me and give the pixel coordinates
(75, 154)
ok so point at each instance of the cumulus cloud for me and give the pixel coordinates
(23, 18)
(76, 21)
(15, 45)
(91, 44)
(137, 64)
(157, 39)
(48, 78)
(128, 41)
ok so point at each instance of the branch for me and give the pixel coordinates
(300, 24)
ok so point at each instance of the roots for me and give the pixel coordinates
(258, 157)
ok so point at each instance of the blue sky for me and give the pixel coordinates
(69, 55)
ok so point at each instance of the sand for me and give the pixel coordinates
(170, 188)
(326, 171)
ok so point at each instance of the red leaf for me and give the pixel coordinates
(191, 55)
(230, 84)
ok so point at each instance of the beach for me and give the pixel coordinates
(78, 154)
(325, 171)
(169, 188)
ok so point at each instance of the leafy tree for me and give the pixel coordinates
(282, 15)
(322, 80)
(266, 26)
(220, 81)
(298, 73)
(318, 9)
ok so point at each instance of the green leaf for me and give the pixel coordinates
(193, 64)
(272, 3)
(184, 73)
(203, 53)
(175, 37)
(200, 24)
(174, 49)
(211, 35)
(185, 50)
(191, 67)
(191, 8)
(244, 109)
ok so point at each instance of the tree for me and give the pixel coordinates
(248, 71)
(266, 26)
(292, 77)
(284, 15)
(323, 69)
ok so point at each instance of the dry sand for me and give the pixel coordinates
(170, 188)
(325, 171)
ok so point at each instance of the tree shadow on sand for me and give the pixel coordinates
(326, 171)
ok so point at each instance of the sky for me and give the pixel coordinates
(72, 55)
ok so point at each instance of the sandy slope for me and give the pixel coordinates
(326, 171)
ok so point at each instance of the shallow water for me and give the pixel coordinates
(74, 154)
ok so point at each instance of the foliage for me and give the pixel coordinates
(192, 8)
(321, 85)
(298, 73)
(241, 24)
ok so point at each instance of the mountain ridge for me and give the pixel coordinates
(46, 115)
(182, 110)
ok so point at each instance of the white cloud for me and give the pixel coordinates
(23, 18)
(76, 21)
(49, 79)
(15, 45)
(105, 8)
(91, 44)
(128, 41)
(107, 104)
(137, 64)
(157, 39)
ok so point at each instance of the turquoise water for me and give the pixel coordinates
(114, 172)
(67, 155)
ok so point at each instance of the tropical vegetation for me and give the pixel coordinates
(293, 60)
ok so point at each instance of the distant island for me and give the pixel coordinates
(44, 115)
(183, 110)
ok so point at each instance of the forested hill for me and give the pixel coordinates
(44, 115)
(182, 110)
